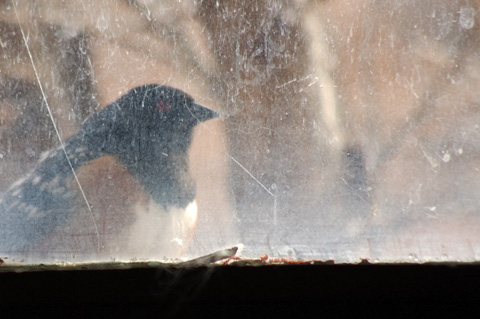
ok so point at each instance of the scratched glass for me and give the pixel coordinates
(346, 130)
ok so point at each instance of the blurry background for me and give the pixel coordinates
(349, 129)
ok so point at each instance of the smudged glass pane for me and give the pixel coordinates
(346, 130)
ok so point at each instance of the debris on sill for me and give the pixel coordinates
(225, 257)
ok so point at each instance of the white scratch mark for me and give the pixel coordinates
(255, 179)
(264, 187)
(54, 124)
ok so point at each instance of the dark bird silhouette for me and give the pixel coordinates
(148, 131)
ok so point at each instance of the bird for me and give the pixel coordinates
(148, 131)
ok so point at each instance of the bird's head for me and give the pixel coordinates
(158, 105)
(149, 130)
(145, 117)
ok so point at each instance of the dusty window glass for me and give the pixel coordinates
(326, 130)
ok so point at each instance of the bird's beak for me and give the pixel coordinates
(201, 113)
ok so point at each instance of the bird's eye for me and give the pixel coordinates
(164, 106)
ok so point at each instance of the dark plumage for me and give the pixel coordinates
(148, 130)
